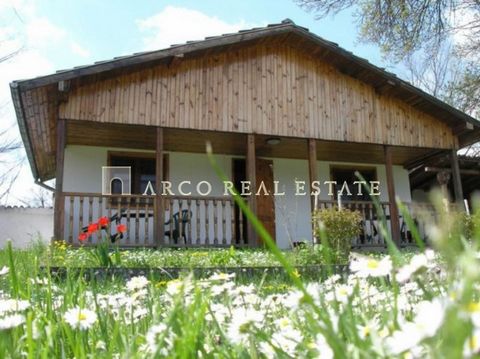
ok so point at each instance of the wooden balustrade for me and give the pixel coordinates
(189, 221)
(211, 221)
(371, 224)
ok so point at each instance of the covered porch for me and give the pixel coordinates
(213, 220)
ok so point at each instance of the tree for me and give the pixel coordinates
(11, 159)
(408, 30)
(39, 197)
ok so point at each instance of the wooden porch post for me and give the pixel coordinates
(159, 202)
(312, 175)
(59, 209)
(457, 181)
(394, 218)
(251, 177)
(312, 167)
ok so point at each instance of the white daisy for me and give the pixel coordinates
(323, 348)
(11, 321)
(371, 267)
(13, 305)
(4, 270)
(418, 261)
(79, 318)
(136, 283)
(222, 276)
(472, 344)
(243, 323)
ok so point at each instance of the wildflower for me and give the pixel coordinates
(159, 340)
(40, 281)
(82, 236)
(418, 261)
(139, 313)
(174, 287)
(222, 276)
(136, 283)
(93, 227)
(323, 348)
(341, 293)
(79, 318)
(103, 222)
(11, 321)
(365, 331)
(121, 228)
(13, 305)
(428, 319)
(370, 267)
(472, 344)
(472, 310)
(243, 323)
(287, 339)
(4, 270)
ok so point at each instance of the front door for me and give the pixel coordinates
(266, 203)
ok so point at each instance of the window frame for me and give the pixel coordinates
(353, 168)
(140, 156)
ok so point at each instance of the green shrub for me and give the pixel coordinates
(470, 224)
(336, 229)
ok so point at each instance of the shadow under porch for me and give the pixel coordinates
(212, 220)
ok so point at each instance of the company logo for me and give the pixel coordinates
(116, 177)
(119, 178)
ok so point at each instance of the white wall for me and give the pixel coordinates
(293, 222)
(25, 225)
(83, 174)
(83, 167)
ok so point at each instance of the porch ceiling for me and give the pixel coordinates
(143, 137)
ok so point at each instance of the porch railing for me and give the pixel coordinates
(210, 221)
(188, 221)
(370, 227)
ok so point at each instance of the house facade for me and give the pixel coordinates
(283, 110)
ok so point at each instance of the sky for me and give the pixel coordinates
(60, 34)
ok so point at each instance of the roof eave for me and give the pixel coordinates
(388, 76)
(132, 60)
(19, 110)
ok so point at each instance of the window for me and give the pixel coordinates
(142, 169)
(342, 174)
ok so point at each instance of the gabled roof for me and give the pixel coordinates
(465, 126)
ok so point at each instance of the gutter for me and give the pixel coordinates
(44, 185)
(19, 111)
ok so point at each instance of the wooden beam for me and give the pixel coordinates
(462, 127)
(419, 161)
(251, 177)
(462, 171)
(457, 181)
(175, 60)
(312, 167)
(59, 205)
(394, 218)
(159, 202)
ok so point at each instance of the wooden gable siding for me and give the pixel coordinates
(40, 109)
(266, 90)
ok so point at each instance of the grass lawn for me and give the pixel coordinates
(395, 305)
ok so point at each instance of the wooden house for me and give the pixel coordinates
(278, 105)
